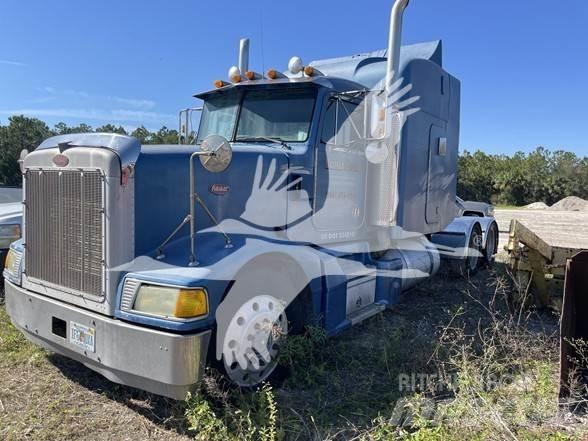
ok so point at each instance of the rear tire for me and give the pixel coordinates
(470, 264)
(492, 237)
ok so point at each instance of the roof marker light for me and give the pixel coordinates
(220, 83)
(309, 71)
(272, 74)
(250, 75)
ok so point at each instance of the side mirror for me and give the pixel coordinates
(376, 152)
(23, 155)
(219, 154)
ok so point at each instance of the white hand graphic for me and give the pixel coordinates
(396, 93)
(388, 119)
(267, 205)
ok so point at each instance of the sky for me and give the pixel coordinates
(522, 64)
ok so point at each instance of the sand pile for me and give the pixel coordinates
(571, 203)
(536, 206)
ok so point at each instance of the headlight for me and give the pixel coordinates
(12, 269)
(491, 211)
(166, 301)
(8, 234)
(10, 258)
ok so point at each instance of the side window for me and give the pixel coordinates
(344, 123)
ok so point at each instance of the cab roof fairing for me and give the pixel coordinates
(369, 69)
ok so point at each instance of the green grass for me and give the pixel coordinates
(14, 347)
(334, 388)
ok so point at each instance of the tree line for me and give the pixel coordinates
(518, 180)
(27, 133)
(523, 178)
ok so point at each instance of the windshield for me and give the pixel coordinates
(283, 115)
(219, 116)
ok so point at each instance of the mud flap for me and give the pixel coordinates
(574, 327)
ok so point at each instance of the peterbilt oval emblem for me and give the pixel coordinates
(60, 160)
(219, 189)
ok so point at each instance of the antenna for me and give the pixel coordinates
(261, 35)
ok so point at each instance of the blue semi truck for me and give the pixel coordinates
(314, 196)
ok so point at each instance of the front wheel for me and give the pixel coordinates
(253, 339)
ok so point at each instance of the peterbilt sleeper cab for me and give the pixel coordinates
(314, 196)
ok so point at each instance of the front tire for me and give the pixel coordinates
(253, 339)
(269, 300)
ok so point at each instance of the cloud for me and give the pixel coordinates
(80, 105)
(137, 103)
(41, 100)
(12, 63)
(117, 115)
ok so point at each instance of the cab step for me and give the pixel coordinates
(365, 313)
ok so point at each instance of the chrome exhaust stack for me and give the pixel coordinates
(386, 130)
(243, 55)
(394, 43)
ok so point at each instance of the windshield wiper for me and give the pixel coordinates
(283, 143)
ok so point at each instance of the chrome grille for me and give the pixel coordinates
(64, 229)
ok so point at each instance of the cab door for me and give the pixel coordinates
(340, 170)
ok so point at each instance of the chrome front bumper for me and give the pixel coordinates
(159, 362)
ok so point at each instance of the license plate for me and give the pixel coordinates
(82, 336)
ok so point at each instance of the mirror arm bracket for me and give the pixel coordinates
(191, 217)
(195, 197)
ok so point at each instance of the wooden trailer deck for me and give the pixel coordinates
(539, 244)
(565, 229)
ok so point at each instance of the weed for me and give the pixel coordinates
(304, 356)
(204, 421)
(214, 413)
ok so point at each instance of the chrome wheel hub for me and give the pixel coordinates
(490, 245)
(252, 340)
(474, 252)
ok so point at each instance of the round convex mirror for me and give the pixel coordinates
(376, 152)
(220, 153)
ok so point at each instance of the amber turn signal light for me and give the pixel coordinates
(220, 83)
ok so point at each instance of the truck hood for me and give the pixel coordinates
(11, 213)
(162, 182)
